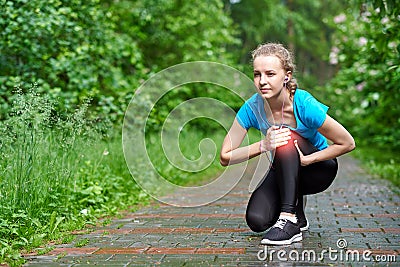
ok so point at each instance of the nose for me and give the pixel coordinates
(263, 79)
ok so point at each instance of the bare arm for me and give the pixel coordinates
(342, 140)
(232, 153)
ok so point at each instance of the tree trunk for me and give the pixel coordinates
(290, 27)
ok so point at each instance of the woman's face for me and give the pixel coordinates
(269, 76)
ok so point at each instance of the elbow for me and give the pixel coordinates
(351, 146)
(223, 160)
(223, 163)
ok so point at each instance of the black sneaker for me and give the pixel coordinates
(303, 224)
(301, 217)
(284, 232)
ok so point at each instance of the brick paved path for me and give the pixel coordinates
(356, 209)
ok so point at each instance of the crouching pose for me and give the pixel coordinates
(303, 164)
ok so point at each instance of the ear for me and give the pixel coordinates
(289, 74)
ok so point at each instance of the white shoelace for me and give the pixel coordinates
(280, 223)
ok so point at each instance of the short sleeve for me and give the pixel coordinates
(246, 117)
(314, 113)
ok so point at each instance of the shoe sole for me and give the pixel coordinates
(305, 228)
(295, 238)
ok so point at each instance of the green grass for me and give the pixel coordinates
(82, 243)
(189, 147)
(383, 163)
(59, 174)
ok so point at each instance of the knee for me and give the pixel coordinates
(257, 223)
(290, 144)
(287, 151)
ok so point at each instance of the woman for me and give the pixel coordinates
(303, 164)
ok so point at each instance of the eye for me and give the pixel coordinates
(256, 75)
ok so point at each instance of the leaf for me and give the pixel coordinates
(52, 221)
(58, 221)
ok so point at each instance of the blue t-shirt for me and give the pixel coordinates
(309, 113)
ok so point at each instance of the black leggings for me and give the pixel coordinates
(286, 183)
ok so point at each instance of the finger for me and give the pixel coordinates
(284, 130)
(281, 135)
(273, 128)
(281, 130)
(271, 132)
(278, 137)
(277, 134)
(282, 138)
(297, 147)
(282, 143)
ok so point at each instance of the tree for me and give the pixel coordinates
(300, 25)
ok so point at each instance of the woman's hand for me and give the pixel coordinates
(274, 138)
(342, 141)
(304, 160)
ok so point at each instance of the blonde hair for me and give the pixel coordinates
(284, 56)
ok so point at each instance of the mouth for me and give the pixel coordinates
(265, 90)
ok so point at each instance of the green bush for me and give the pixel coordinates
(365, 90)
(69, 48)
(56, 174)
(175, 31)
(61, 173)
(366, 87)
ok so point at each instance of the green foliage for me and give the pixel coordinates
(384, 165)
(69, 48)
(386, 7)
(300, 25)
(56, 174)
(253, 16)
(185, 92)
(366, 87)
(82, 242)
(169, 32)
(176, 31)
(78, 49)
(189, 141)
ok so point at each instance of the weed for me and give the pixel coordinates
(82, 243)
(62, 172)
(45, 250)
(384, 165)
(55, 175)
